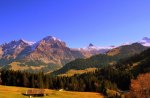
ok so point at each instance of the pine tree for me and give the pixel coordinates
(103, 88)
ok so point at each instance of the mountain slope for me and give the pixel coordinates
(49, 52)
(52, 53)
(127, 50)
(12, 49)
(101, 60)
(136, 64)
(94, 50)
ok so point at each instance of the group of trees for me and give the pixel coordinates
(112, 77)
(97, 61)
(136, 64)
(98, 81)
(140, 87)
(101, 60)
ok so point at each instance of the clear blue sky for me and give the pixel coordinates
(77, 22)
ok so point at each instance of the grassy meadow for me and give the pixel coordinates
(15, 92)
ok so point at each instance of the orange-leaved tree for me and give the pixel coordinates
(140, 88)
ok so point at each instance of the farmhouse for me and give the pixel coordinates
(35, 93)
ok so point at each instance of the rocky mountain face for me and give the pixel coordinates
(91, 50)
(51, 53)
(1, 52)
(13, 49)
(48, 51)
(51, 50)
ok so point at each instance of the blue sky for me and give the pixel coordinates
(77, 22)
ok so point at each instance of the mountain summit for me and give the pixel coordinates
(91, 45)
(51, 38)
(48, 53)
(27, 42)
(51, 53)
(51, 50)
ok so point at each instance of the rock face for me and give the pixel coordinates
(94, 50)
(48, 51)
(12, 49)
(1, 52)
(51, 50)
(53, 53)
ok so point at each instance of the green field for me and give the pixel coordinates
(73, 71)
(15, 92)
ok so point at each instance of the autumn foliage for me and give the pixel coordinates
(140, 88)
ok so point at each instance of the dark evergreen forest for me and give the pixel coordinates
(114, 77)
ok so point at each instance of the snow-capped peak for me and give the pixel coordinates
(145, 41)
(93, 47)
(51, 38)
(46, 39)
(28, 42)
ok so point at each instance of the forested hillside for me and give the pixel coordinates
(116, 77)
(102, 60)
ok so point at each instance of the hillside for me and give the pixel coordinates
(73, 72)
(102, 60)
(48, 54)
(111, 78)
(127, 50)
(136, 64)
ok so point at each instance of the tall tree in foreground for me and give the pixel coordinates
(140, 88)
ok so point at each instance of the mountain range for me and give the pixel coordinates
(50, 53)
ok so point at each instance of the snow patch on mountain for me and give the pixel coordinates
(14, 46)
(48, 38)
(34, 46)
(28, 42)
(93, 47)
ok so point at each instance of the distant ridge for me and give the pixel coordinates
(49, 53)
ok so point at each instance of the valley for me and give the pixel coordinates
(109, 80)
(16, 92)
(59, 67)
(74, 49)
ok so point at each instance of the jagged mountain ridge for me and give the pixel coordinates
(91, 50)
(101, 60)
(12, 49)
(49, 51)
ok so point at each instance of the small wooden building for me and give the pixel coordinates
(35, 93)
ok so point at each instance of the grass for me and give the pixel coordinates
(15, 92)
(111, 93)
(72, 71)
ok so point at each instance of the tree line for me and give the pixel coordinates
(97, 81)
(113, 77)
